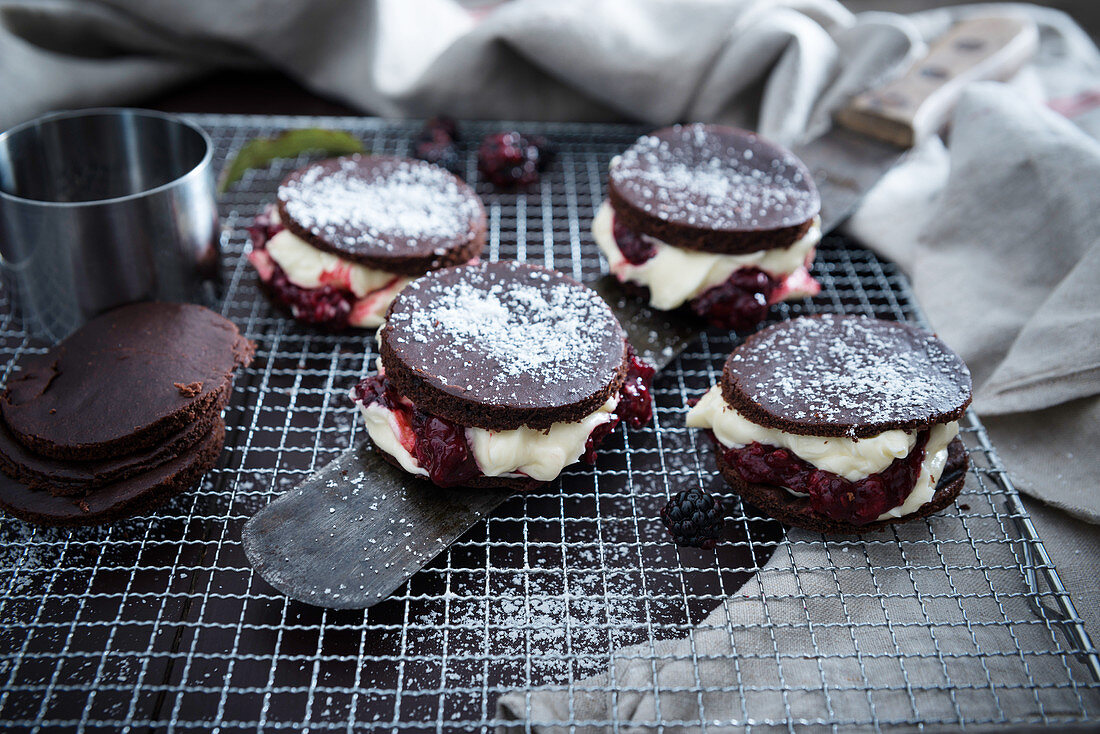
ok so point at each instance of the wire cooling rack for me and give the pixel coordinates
(158, 623)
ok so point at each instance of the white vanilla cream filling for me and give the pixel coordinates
(853, 459)
(675, 275)
(850, 458)
(385, 430)
(539, 454)
(307, 267)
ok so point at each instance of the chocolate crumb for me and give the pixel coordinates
(189, 391)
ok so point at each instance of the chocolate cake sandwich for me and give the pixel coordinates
(118, 417)
(347, 234)
(711, 218)
(840, 424)
(499, 375)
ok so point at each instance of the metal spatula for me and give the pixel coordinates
(352, 533)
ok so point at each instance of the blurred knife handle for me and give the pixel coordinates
(916, 105)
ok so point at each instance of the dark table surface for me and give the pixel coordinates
(248, 93)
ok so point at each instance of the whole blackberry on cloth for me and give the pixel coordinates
(694, 518)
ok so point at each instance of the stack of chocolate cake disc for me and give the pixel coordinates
(118, 417)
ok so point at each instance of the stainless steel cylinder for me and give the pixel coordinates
(103, 207)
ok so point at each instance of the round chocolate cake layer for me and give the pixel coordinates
(124, 381)
(780, 504)
(119, 500)
(713, 188)
(77, 478)
(833, 375)
(394, 214)
(503, 345)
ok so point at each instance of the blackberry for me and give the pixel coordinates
(436, 143)
(694, 518)
(510, 159)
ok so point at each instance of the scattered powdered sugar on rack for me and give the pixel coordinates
(695, 175)
(516, 319)
(362, 203)
(850, 369)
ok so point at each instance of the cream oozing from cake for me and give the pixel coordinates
(541, 454)
(389, 432)
(675, 275)
(307, 267)
(851, 458)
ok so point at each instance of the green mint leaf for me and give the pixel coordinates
(260, 152)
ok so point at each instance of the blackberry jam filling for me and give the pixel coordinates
(635, 403)
(636, 395)
(740, 303)
(599, 433)
(263, 228)
(325, 306)
(440, 446)
(856, 502)
(630, 244)
(442, 450)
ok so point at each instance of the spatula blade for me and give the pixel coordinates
(657, 336)
(354, 532)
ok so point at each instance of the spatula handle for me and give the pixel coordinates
(916, 105)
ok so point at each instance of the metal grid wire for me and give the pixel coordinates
(160, 623)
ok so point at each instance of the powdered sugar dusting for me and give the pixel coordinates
(374, 205)
(502, 330)
(850, 370)
(717, 178)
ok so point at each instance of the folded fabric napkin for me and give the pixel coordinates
(997, 229)
(821, 625)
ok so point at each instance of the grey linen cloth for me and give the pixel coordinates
(997, 229)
